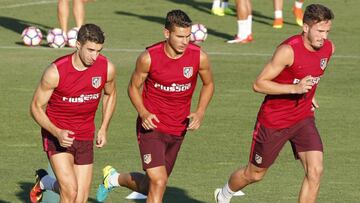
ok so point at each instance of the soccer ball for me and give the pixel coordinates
(31, 36)
(198, 33)
(56, 38)
(72, 37)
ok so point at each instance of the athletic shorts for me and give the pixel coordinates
(268, 142)
(82, 150)
(158, 149)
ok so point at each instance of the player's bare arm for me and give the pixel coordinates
(314, 104)
(108, 107)
(333, 47)
(134, 90)
(282, 58)
(206, 93)
(48, 83)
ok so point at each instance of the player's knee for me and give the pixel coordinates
(81, 197)
(314, 173)
(254, 175)
(69, 192)
(159, 182)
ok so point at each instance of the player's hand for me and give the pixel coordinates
(195, 120)
(304, 85)
(65, 139)
(314, 103)
(101, 138)
(148, 121)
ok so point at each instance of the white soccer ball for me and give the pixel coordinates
(72, 37)
(56, 38)
(198, 33)
(31, 36)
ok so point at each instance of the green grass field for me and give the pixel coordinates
(209, 155)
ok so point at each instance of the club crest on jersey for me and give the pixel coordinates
(188, 71)
(147, 158)
(323, 63)
(96, 82)
(258, 159)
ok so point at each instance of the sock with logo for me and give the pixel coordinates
(114, 180)
(242, 29)
(298, 4)
(47, 183)
(249, 25)
(216, 4)
(224, 4)
(278, 14)
(225, 194)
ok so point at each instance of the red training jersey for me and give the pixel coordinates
(73, 104)
(282, 111)
(169, 87)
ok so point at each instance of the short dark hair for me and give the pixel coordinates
(92, 33)
(177, 18)
(316, 13)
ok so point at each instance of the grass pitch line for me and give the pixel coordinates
(216, 53)
(28, 4)
(22, 145)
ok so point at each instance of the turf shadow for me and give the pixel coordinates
(263, 19)
(161, 20)
(175, 195)
(23, 194)
(200, 6)
(18, 25)
(206, 8)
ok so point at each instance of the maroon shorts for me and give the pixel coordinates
(268, 142)
(82, 150)
(158, 149)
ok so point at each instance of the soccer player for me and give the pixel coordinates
(167, 73)
(64, 105)
(289, 81)
(297, 11)
(244, 22)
